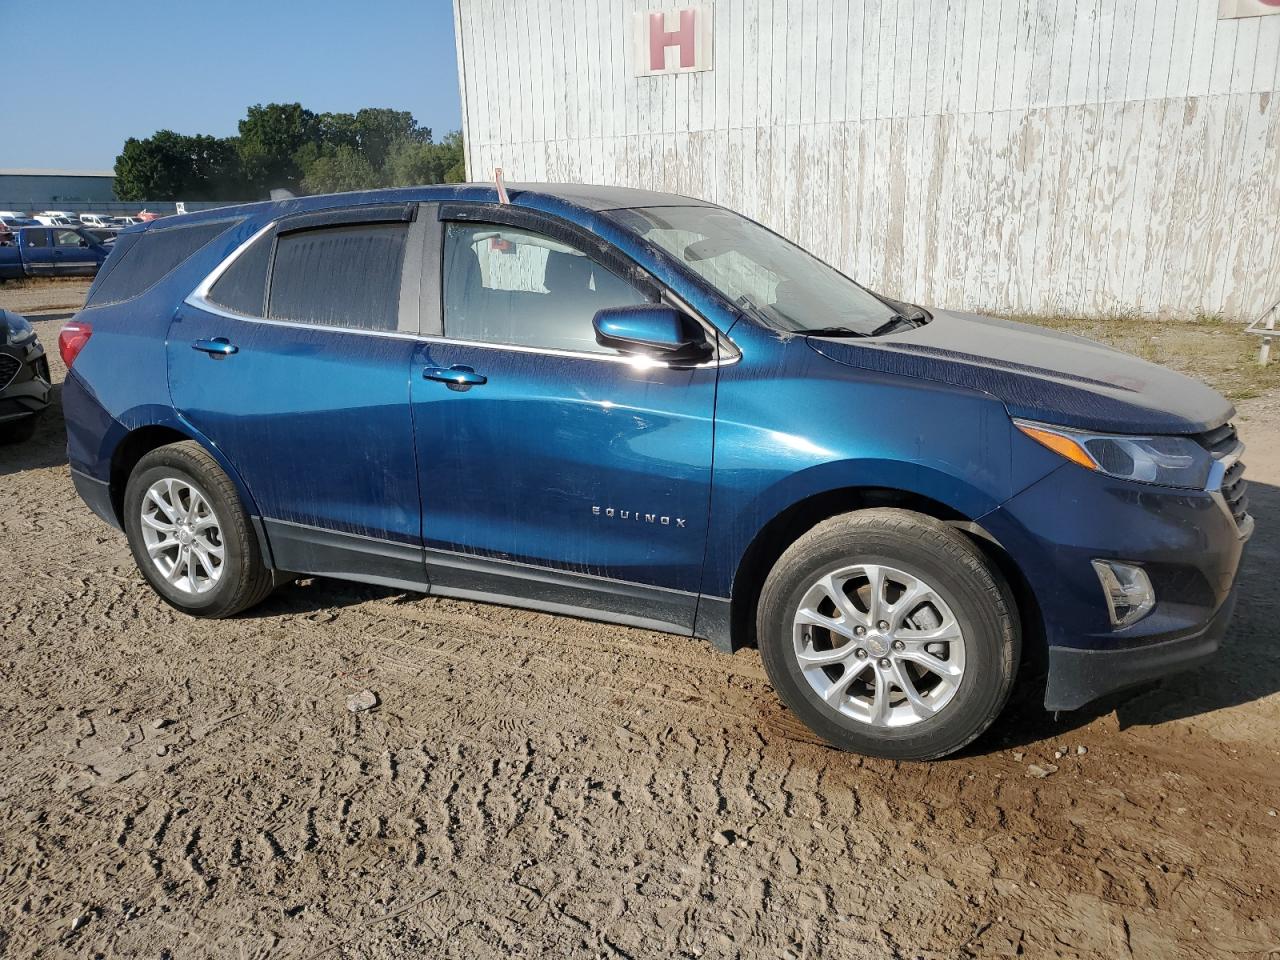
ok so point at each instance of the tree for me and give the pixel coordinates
(270, 138)
(378, 130)
(415, 163)
(172, 166)
(338, 169)
(456, 172)
(286, 145)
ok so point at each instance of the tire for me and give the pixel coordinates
(912, 555)
(19, 430)
(232, 582)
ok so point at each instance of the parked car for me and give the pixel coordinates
(650, 410)
(57, 218)
(52, 252)
(126, 221)
(146, 216)
(24, 378)
(97, 220)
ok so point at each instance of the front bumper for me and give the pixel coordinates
(27, 392)
(1189, 545)
(1079, 676)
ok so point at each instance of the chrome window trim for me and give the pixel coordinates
(199, 298)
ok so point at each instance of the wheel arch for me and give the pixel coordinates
(786, 526)
(140, 440)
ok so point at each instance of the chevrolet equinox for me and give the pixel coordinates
(647, 409)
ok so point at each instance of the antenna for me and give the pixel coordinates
(502, 187)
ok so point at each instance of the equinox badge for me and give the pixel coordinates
(638, 517)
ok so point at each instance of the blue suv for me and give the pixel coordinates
(647, 409)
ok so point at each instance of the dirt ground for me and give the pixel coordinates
(537, 786)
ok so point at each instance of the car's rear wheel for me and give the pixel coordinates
(190, 535)
(889, 634)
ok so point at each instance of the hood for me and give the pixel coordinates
(1040, 374)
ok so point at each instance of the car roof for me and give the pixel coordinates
(596, 197)
(586, 196)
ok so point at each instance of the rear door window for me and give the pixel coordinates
(36, 238)
(344, 276)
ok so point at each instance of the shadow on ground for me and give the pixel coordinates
(48, 448)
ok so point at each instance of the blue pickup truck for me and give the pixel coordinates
(52, 252)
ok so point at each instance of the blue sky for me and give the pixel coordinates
(122, 69)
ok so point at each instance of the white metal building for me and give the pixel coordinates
(1042, 155)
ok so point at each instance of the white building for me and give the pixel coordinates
(1040, 155)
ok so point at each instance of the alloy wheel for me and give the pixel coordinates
(879, 645)
(182, 535)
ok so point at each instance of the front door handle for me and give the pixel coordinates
(217, 347)
(457, 377)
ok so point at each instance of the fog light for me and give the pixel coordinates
(1127, 589)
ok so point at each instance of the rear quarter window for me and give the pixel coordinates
(140, 260)
(242, 288)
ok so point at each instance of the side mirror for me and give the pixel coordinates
(652, 330)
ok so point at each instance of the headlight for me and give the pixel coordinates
(19, 330)
(1171, 461)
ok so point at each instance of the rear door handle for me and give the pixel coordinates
(217, 347)
(457, 377)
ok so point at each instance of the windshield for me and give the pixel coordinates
(783, 285)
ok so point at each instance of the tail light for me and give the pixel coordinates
(71, 340)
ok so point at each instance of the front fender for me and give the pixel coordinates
(736, 531)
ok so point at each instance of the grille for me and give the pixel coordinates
(1221, 443)
(1235, 489)
(9, 367)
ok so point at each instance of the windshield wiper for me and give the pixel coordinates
(828, 332)
(898, 320)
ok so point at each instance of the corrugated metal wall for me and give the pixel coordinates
(1044, 155)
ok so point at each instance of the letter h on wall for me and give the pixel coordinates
(660, 38)
(691, 39)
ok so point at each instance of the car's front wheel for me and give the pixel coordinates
(190, 535)
(889, 634)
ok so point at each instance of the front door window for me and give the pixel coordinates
(504, 285)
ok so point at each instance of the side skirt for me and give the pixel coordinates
(303, 549)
